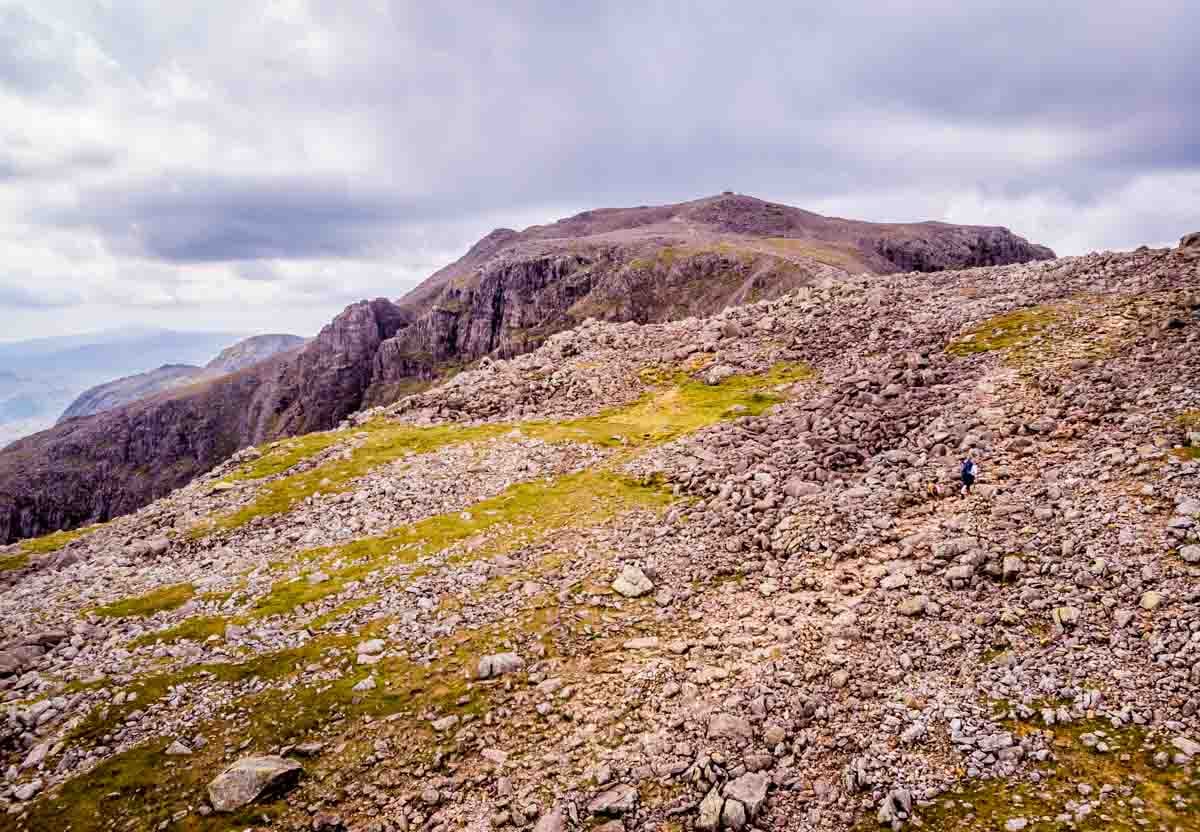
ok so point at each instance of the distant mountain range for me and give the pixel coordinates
(40, 378)
(245, 353)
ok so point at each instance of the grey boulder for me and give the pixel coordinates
(249, 778)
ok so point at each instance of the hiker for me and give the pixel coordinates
(968, 472)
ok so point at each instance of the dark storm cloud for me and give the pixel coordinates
(199, 220)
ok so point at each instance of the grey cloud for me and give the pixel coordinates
(446, 123)
(32, 56)
(23, 293)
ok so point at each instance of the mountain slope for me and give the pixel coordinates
(710, 574)
(112, 394)
(505, 297)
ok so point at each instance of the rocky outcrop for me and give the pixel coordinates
(113, 394)
(505, 297)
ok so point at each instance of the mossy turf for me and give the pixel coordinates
(11, 562)
(676, 405)
(520, 514)
(1166, 798)
(1012, 330)
(846, 258)
(142, 788)
(53, 542)
(384, 442)
(194, 629)
(164, 598)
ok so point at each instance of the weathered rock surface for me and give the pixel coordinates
(248, 779)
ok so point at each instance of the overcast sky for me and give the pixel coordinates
(257, 165)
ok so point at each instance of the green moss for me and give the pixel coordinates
(682, 406)
(194, 629)
(1015, 329)
(55, 541)
(287, 453)
(522, 513)
(385, 442)
(165, 598)
(322, 621)
(142, 788)
(11, 562)
(846, 259)
(1170, 797)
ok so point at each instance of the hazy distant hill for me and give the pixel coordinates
(245, 353)
(40, 377)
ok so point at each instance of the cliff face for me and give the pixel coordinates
(509, 293)
(91, 469)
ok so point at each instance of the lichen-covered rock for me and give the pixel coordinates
(249, 778)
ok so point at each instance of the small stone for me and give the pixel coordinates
(498, 664)
(1065, 617)
(632, 582)
(727, 726)
(365, 684)
(615, 801)
(709, 817)
(27, 791)
(552, 821)
(178, 749)
(750, 790)
(1187, 746)
(371, 648)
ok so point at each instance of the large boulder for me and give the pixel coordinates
(249, 778)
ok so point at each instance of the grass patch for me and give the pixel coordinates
(385, 442)
(1169, 797)
(683, 405)
(322, 621)
(12, 562)
(1015, 329)
(193, 629)
(165, 598)
(141, 788)
(286, 453)
(829, 255)
(520, 514)
(55, 541)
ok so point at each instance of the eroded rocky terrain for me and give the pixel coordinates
(504, 297)
(713, 573)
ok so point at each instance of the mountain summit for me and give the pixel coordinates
(505, 297)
